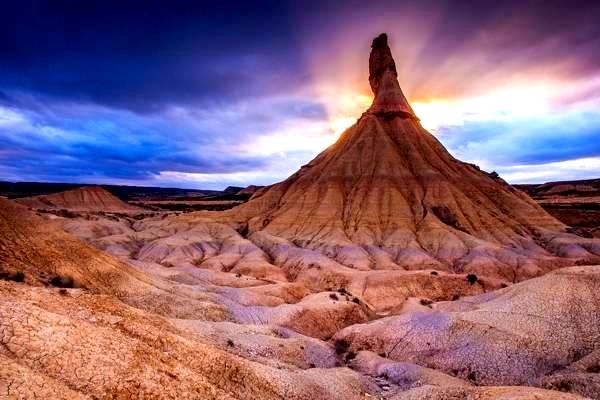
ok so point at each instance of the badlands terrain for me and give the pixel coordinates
(383, 269)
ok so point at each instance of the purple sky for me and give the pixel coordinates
(194, 94)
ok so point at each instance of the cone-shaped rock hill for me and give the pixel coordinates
(388, 194)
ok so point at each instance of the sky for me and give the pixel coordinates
(200, 94)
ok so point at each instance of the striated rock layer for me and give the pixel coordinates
(388, 195)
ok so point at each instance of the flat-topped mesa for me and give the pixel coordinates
(389, 99)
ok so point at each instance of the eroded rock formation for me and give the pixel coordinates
(88, 198)
(384, 268)
(388, 195)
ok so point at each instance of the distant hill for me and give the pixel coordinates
(580, 188)
(576, 203)
(250, 190)
(87, 198)
(127, 193)
(233, 189)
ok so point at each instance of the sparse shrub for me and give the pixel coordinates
(238, 275)
(15, 276)
(301, 347)
(503, 285)
(350, 356)
(593, 369)
(333, 296)
(342, 291)
(472, 279)
(563, 386)
(62, 282)
(63, 292)
(434, 273)
(447, 216)
(425, 302)
(230, 343)
(356, 300)
(455, 297)
(66, 213)
(341, 346)
(382, 354)
(472, 377)
(312, 365)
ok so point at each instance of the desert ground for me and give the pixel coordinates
(383, 269)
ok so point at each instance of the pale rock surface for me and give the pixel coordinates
(483, 393)
(582, 376)
(403, 375)
(511, 336)
(89, 346)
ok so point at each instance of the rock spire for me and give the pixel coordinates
(383, 78)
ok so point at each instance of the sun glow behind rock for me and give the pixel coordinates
(347, 108)
(497, 105)
(504, 104)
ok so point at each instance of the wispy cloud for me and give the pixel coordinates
(581, 168)
(189, 95)
(529, 140)
(87, 142)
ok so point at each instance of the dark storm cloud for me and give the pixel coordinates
(67, 141)
(448, 48)
(125, 90)
(144, 55)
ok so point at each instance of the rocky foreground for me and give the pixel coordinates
(117, 330)
(385, 269)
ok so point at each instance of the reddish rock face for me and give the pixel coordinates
(384, 81)
(388, 195)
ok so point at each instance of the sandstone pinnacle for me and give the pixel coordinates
(388, 195)
(383, 78)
